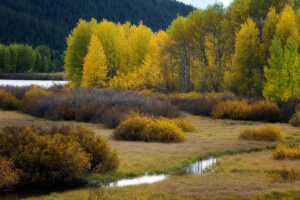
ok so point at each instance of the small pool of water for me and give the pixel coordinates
(21, 83)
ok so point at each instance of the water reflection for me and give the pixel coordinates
(146, 179)
(200, 167)
(21, 83)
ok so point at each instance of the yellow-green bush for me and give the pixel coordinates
(185, 125)
(241, 110)
(162, 130)
(266, 133)
(142, 128)
(295, 121)
(286, 152)
(8, 101)
(62, 153)
(8, 174)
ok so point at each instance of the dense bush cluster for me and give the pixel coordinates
(141, 128)
(242, 110)
(110, 107)
(8, 175)
(57, 154)
(266, 133)
(8, 101)
(295, 121)
(198, 105)
(286, 152)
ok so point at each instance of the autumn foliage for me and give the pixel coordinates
(286, 152)
(8, 174)
(56, 154)
(266, 133)
(142, 128)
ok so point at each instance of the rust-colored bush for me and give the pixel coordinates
(8, 101)
(8, 174)
(266, 133)
(264, 111)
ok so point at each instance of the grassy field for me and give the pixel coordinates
(236, 176)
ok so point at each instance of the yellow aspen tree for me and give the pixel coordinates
(287, 26)
(94, 69)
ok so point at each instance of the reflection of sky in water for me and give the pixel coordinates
(201, 166)
(146, 179)
(198, 167)
(21, 83)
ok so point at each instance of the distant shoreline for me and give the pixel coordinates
(57, 76)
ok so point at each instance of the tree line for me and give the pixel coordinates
(24, 58)
(250, 49)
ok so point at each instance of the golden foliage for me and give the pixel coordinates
(142, 128)
(8, 175)
(185, 125)
(94, 67)
(8, 101)
(286, 152)
(32, 97)
(266, 133)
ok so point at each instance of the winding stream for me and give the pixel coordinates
(21, 83)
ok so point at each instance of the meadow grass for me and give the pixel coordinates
(241, 176)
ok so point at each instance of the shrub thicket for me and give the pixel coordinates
(242, 110)
(62, 153)
(8, 101)
(142, 128)
(8, 174)
(286, 152)
(295, 121)
(198, 106)
(185, 125)
(266, 133)
(110, 107)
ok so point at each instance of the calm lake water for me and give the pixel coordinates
(21, 83)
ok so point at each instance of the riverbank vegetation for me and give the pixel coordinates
(47, 156)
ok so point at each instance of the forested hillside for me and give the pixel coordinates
(48, 22)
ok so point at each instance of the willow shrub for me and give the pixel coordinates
(62, 153)
(185, 125)
(242, 110)
(9, 176)
(8, 101)
(295, 120)
(286, 152)
(266, 133)
(142, 128)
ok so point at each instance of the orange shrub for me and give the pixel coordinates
(266, 133)
(141, 128)
(8, 101)
(8, 175)
(237, 110)
(241, 110)
(286, 152)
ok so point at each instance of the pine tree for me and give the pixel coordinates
(95, 69)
